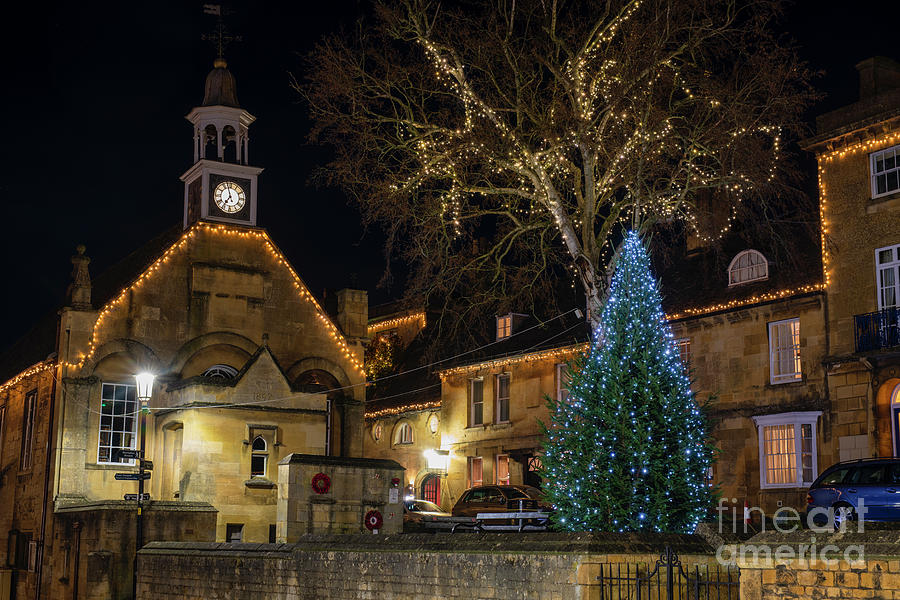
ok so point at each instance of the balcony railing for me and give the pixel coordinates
(877, 330)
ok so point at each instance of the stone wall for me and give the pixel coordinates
(872, 571)
(524, 566)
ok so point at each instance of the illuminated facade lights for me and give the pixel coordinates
(397, 322)
(386, 412)
(30, 371)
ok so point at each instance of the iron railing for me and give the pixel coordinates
(877, 330)
(668, 580)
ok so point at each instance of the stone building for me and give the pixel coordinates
(798, 350)
(249, 369)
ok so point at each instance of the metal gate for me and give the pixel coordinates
(668, 580)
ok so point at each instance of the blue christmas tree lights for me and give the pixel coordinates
(629, 449)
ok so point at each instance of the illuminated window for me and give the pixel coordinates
(118, 422)
(684, 351)
(28, 413)
(787, 449)
(504, 327)
(476, 473)
(784, 351)
(476, 402)
(404, 434)
(259, 457)
(562, 382)
(222, 372)
(502, 469)
(885, 166)
(501, 396)
(748, 266)
(887, 265)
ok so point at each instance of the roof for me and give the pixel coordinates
(221, 87)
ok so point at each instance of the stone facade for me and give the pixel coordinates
(249, 368)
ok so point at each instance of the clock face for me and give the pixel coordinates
(229, 197)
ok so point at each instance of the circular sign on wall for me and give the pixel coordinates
(433, 422)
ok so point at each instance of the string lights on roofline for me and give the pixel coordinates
(386, 412)
(45, 365)
(218, 229)
(396, 322)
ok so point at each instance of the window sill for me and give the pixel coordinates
(785, 486)
(885, 202)
(501, 425)
(260, 483)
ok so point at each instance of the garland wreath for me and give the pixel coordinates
(321, 483)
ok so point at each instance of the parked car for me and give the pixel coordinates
(495, 498)
(416, 512)
(875, 481)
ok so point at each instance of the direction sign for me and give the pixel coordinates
(131, 476)
(128, 454)
(144, 497)
(147, 465)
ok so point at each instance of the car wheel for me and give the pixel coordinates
(843, 514)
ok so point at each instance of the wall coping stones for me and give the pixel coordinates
(879, 542)
(477, 543)
(130, 505)
(317, 459)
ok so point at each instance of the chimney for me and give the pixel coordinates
(353, 312)
(877, 75)
(80, 289)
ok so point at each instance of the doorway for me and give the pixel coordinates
(431, 488)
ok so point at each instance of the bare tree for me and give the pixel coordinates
(502, 141)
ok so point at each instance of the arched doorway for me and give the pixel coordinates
(431, 488)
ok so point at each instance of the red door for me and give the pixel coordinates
(431, 489)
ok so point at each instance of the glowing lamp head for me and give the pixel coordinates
(144, 386)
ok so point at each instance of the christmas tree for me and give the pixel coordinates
(629, 448)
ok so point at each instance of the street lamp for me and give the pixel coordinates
(144, 382)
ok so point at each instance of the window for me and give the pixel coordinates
(476, 402)
(234, 532)
(273, 533)
(433, 423)
(784, 351)
(28, 413)
(118, 422)
(476, 473)
(885, 167)
(562, 382)
(404, 434)
(504, 327)
(502, 469)
(259, 457)
(887, 264)
(748, 266)
(377, 430)
(501, 394)
(684, 352)
(787, 449)
(2, 420)
(221, 372)
(18, 547)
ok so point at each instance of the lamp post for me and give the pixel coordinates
(144, 391)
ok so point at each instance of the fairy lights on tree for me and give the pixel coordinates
(503, 144)
(629, 449)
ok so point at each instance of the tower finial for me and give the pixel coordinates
(220, 37)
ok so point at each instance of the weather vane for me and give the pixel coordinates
(220, 37)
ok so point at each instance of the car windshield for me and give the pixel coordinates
(835, 477)
(422, 506)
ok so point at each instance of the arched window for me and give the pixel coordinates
(748, 266)
(229, 144)
(259, 457)
(222, 372)
(211, 143)
(404, 434)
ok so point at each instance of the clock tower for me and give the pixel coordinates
(221, 186)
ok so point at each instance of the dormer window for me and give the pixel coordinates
(748, 266)
(504, 327)
(220, 372)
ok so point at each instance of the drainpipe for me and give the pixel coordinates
(48, 457)
(76, 526)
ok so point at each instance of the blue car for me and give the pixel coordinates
(870, 486)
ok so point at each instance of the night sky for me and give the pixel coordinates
(94, 136)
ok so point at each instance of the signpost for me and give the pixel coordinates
(132, 477)
(143, 497)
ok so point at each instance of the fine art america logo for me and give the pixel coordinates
(788, 520)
